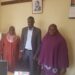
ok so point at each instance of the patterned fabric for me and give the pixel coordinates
(54, 70)
(10, 50)
(47, 70)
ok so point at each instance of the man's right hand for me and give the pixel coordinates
(20, 54)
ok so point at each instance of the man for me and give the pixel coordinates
(30, 44)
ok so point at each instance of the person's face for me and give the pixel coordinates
(52, 30)
(30, 23)
(11, 30)
(36, 3)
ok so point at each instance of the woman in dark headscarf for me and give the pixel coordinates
(54, 53)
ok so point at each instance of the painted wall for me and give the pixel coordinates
(54, 11)
(0, 17)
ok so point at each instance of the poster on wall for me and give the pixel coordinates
(72, 10)
(37, 6)
(72, 2)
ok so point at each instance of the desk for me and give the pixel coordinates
(3, 67)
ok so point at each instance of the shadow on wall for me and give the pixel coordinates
(43, 28)
(70, 48)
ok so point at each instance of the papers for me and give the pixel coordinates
(21, 73)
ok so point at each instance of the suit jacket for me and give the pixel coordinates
(36, 39)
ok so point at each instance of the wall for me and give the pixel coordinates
(54, 11)
(0, 17)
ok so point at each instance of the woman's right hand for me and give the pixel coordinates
(62, 71)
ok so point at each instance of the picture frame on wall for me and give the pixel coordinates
(37, 6)
(72, 10)
(7, 2)
(72, 2)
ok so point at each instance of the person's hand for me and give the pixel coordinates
(62, 72)
(38, 62)
(35, 58)
(20, 54)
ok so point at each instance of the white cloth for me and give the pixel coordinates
(21, 73)
(28, 45)
(11, 38)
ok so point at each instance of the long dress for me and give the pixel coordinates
(10, 52)
(0, 50)
(53, 55)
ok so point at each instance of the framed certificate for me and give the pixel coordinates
(72, 10)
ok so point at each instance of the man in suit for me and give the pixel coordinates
(30, 44)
